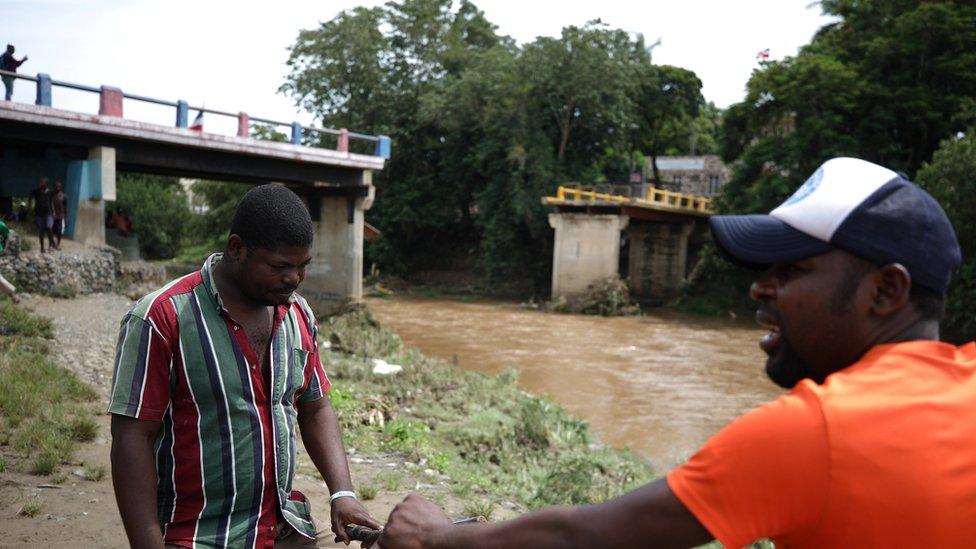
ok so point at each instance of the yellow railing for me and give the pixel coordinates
(655, 198)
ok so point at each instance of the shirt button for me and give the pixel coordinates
(236, 327)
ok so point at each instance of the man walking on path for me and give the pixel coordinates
(59, 214)
(213, 374)
(9, 64)
(41, 197)
(5, 286)
(874, 445)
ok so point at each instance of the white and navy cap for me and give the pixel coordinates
(870, 211)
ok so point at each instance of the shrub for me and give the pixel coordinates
(949, 178)
(159, 211)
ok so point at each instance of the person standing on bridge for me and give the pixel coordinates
(9, 64)
(874, 445)
(213, 374)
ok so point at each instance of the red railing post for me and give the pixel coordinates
(110, 102)
(243, 124)
(343, 145)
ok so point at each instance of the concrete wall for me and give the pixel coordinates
(88, 184)
(336, 271)
(586, 250)
(658, 259)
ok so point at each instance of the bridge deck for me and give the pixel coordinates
(655, 199)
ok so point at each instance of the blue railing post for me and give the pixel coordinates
(182, 113)
(296, 133)
(43, 89)
(383, 146)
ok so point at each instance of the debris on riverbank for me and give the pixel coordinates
(493, 441)
(608, 297)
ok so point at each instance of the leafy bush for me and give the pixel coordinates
(159, 211)
(949, 178)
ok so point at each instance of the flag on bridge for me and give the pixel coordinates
(197, 124)
(763, 55)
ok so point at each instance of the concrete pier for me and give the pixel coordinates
(658, 259)
(586, 250)
(336, 271)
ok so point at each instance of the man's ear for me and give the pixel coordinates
(892, 289)
(236, 248)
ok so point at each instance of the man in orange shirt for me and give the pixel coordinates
(875, 444)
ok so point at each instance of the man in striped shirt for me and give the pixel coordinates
(212, 374)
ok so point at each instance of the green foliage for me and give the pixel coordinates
(210, 230)
(886, 82)
(159, 211)
(483, 128)
(949, 178)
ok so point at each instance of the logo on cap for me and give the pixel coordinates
(807, 188)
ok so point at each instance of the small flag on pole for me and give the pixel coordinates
(197, 124)
(763, 55)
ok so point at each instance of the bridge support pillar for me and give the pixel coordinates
(335, 274)
(586, 250)
(89, 184)
(658, 259)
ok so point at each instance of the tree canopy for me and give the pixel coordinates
(887, 82)
(483, 128)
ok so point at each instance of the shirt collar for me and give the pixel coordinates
(208, 279)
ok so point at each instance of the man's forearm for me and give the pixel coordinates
(134, 480)
(553, 527)
(323, 442)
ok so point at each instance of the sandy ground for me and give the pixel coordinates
(83, 513)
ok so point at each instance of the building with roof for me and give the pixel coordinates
(695, 175)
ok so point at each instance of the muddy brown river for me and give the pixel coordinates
(659, 384)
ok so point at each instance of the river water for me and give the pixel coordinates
(659, 384)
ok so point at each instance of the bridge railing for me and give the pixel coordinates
(110, 104)
(625, 194)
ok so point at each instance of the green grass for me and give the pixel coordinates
(22, 323)
(94, 473)
(368, 491)
(31, 507)
(479, 508)
(44, 409)
(492, 440)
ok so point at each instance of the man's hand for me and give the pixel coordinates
(413, 524)
(350, 511)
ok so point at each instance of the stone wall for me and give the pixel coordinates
(63, 273)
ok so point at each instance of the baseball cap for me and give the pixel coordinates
(851, 204)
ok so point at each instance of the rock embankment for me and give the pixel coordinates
(80, 271)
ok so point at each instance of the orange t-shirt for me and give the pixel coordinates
(883, 454)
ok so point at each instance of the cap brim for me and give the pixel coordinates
(758, 241)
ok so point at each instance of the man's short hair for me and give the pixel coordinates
(271, 216)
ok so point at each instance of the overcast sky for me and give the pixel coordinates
(230, 55)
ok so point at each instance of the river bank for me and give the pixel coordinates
(474, 444)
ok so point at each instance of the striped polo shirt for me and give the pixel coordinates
(225, 455)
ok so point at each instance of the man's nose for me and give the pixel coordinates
(293, 277)
(762, 287)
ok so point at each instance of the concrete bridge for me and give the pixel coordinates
(656, 229)
(85, 151)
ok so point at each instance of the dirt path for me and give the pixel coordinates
(82, 513)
